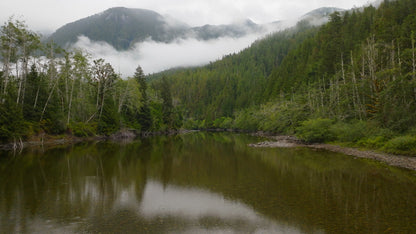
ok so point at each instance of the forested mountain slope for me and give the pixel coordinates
(352, 80)
(124, 27)
(120, 27)
(356, 71)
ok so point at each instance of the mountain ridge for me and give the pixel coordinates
(123, 27)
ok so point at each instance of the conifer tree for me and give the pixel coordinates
(144, 115)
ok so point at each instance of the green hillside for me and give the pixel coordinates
(352, 78)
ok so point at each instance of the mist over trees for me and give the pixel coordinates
(354, 76)
(48, 90)
(350, 80)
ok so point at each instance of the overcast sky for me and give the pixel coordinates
(45, 16)
(49, 15)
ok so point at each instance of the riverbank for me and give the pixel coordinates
(48, 140)
(401, 161)
(68, 139)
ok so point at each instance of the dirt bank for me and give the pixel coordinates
(390, 159)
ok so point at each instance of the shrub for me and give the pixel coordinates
(374, 142)
(315, 130)
(223, 122)
(190, 124)
(349, 132)
(247, 120)
(52, 126)
(401, 145)
(83, 129)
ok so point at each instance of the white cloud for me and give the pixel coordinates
(156, 56)
(48, 15)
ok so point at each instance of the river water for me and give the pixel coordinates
(201, 183)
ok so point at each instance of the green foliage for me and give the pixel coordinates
(315, 130)
(163, 108)
(223, 123)
(282, 117)
(374, 142)
(49, 126)
(351, 80)
(83, 129)
(156, 110)
(349, 132)
(110, 119)
(69, 93)
(401, 145)
(35, 95)
(247, 120)
(190, 124)
(12, 124)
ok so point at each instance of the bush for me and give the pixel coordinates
(12, 124)
(227, 123)
(315, 131)
(248, 119)
(401, 145)
(52, 126)
(282, 117)
(83, 129)
(349, 132)
(223, 122)
(190, 124)
(374, 142)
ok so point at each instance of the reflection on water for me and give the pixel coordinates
(201, 183)
(191, 204)
(191, 209)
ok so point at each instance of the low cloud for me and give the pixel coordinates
(156, 56)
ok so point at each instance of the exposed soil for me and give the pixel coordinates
(390, 159)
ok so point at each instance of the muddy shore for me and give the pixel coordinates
(290, 141)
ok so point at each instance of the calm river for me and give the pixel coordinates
(201, 183)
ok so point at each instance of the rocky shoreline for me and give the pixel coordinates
(390, 159)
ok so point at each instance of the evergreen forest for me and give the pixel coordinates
(46, 90)
(350, 81)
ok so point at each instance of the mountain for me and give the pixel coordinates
(346, 78)
(123, 27)
(321, 15)
(235, 30)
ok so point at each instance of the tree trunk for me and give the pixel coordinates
(49, 98)
(413, 61)
(70, 102)
(413, 56)
(355, 93)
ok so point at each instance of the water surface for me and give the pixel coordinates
(201, 183)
